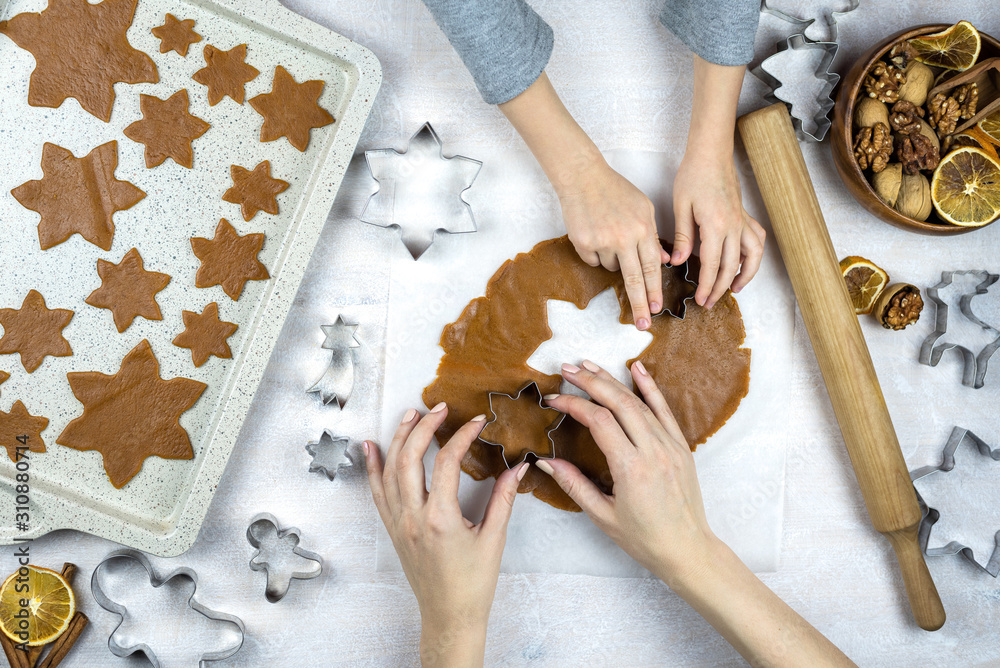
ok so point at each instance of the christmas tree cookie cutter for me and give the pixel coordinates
(976, 364)
(557, 420)
(103, 580)
(274, 549)
(823, 72)
(421, 191)
(931, 515)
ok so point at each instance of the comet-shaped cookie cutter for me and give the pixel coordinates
(688, 291)
(557, 421)
(105, 602)
(823, 71)
(421, 191)
(931, 515)
(337, 382)
(277, 588)
(974, 374)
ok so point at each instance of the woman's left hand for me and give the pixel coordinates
(451, 564)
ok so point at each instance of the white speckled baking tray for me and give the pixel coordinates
(161, 509)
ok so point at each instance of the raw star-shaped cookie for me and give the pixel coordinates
(128, 290)
(254, 190)
(176, 35)
(229, 260)
(131, 415)
(205, 335)
(81, 51)
(3, 377)
(77, 195)
(20, 428)
(226, 73)
(34, 331)
(167, 129)
(291, 109)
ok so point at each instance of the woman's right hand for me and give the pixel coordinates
(656, 513)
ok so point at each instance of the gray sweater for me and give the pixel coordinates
(506, 44)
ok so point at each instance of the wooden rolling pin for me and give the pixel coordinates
(840, 348)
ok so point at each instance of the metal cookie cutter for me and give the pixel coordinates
(930, 351)
(330, 455)
(823, 72)
(531, 387)
(421, 191)
(337, 382)
(278, 554)
(685, 294)
(931, 515)
(103, 578)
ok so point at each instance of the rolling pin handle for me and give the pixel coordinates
(925, 602)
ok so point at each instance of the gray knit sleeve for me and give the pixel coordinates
(720, 31)
(503, 43)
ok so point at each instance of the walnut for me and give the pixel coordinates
(883, 82)
(916, 152)
(899, 305)
(943, 113)
(873, 146)
(905, 117)
(901, 54)
(967, 97)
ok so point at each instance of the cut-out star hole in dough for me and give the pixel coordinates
(594, 334)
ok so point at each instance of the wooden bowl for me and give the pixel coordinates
(842, 139)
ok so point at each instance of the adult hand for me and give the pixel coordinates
(612, 224)
(707, 198)
(451, 563)
(656, 513)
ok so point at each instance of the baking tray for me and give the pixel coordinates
(161, 509)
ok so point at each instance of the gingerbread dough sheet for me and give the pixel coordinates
(741, 466)
(159, 509)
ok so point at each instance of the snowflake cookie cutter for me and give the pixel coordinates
(337, 382)
(330, 455)
(974, 373)
(688, 290)
(931, 515)
(421, 191)
(549, 430)
(824, 70)
(259, 535)
(99, 581)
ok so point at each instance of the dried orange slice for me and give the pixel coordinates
(965, 188)
(990, 126)
(956, 48)
(865, 282)
(50, 606)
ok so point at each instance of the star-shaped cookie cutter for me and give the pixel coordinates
(555, 424)
(689, 288)
(974, 374)
(103, 600)
(337, 382)
(330, 455)
(421, 191)
(824, 71)
(277, 584)
(931, 515)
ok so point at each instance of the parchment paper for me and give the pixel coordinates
(741, 468)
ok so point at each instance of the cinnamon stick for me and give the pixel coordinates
(15, 657)
(62, 646)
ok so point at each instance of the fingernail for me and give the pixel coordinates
(643, 324)
(590, 366)
(440, 407)
(550, 397)
(676, 259)
(522, 470)
(478, 418)
(640, 368)
(737, 290)
(410, 414)
(654, 307)
(545, 466)
(569, 368)
(365, 447)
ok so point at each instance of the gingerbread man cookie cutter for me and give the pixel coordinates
(267, 536)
